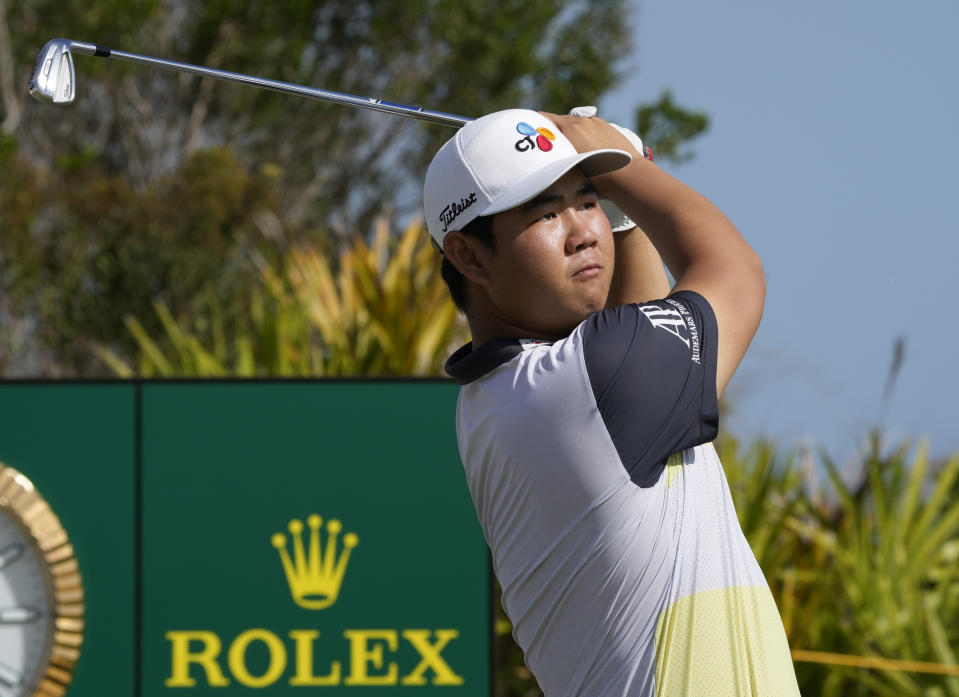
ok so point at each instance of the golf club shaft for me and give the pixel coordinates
(412, 112)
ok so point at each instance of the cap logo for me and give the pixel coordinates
(543, 138)
(454, 208)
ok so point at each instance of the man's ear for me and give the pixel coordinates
(468, 255)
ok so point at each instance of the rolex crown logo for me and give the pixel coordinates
(314, 577)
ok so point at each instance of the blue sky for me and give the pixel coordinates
(833, 146)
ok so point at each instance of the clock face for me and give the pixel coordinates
(41, 594)
(26, 627)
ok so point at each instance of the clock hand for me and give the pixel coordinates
(10, 554)
(10, 677)
(19, 615)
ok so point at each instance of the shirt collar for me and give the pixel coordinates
(468, 364)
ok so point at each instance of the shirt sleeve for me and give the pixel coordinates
(652, 368)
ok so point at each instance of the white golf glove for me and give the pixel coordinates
(618, 220)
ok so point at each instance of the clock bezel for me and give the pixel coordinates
(24, 504)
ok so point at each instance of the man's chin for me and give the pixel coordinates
(595, 305)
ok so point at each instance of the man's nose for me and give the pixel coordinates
(580, 234)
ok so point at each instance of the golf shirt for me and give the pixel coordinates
(624, 569)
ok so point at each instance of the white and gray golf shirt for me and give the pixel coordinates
(624, 568)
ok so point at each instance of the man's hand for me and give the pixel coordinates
(592, 133)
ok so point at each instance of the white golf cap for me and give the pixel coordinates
(500, 161)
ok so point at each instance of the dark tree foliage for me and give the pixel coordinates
(157, 186)
(82, 249)
(666, 127)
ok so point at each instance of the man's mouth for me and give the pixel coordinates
(588, 271)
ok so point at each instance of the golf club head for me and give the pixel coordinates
(53, 76)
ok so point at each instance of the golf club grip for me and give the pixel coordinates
(413, 112)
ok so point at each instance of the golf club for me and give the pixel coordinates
(54, 81)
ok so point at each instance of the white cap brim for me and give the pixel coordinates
(533, 184)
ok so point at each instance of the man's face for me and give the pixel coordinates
(553, 262)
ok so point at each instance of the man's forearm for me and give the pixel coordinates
(702, 249)
(682, 224)
(639, 274)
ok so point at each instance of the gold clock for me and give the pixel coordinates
(41, 594)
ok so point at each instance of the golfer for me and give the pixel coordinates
(588, 403)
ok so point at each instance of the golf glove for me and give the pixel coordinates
(618, 220)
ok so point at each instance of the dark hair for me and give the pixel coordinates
(482, 229)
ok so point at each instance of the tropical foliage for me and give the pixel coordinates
(381, 309)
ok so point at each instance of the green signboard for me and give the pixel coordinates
(281, 536)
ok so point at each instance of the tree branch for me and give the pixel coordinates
(198, 114)
(11, 103)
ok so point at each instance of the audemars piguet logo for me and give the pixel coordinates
(679, 322)
(454, 208)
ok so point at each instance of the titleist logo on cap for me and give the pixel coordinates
(454, 208)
